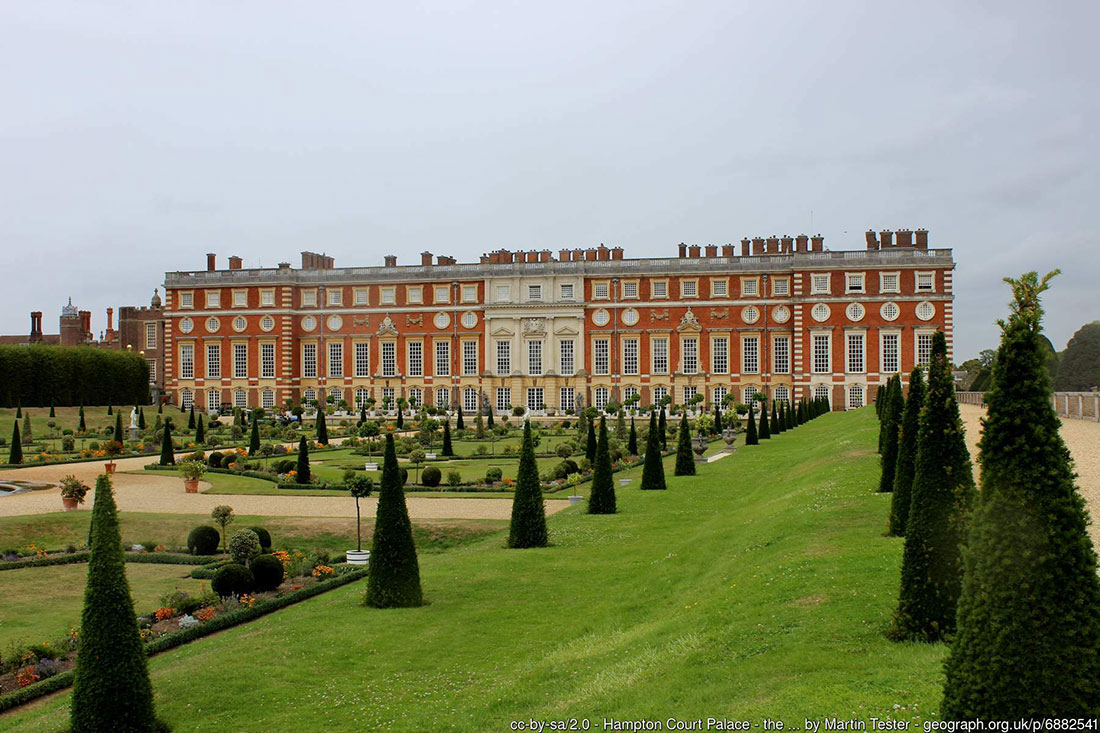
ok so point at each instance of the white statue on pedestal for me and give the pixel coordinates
(134, 419)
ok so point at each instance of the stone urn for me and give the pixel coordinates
(729, 435)
(191, 485)
(357, 557)
(69, 503)
(699, 445)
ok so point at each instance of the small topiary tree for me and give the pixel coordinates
(190, 416)
(431, 476)
(322, 426)
(891, 423)
(394, 580)
(167, 452)
(16, 453)
(460, 424)
(83, 426)
(653, 471)
(203, 540)
(763, 430)
(685, 459)
(448, 451)
(620, 424)
(750, 433)
(528, 525)
(254, 439)
(264, 537)
(774, 426)
(590, 443)
(907, 456)
(493, 474)
(632, 439)
(200, 430)
(111, 688)
(243, 546)
(302, 471)
(601, 500)
(268, 572)
(233, 579)
(223, 515)
(662, 429)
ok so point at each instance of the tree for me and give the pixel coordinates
(800, 413)
(773, 426)
(590, 446)
(891, 422)
(1028, 641)
(750, 433)
(1079, 364)
(632, 439)
(254, 438)
(110, 409)
(302, 472)
(359, 487)
(662, 429)
(200, 430)
(223, 516)
(322, 428)
(763, 430)
(488, 418)
(82, 427)
(447, 449)
(528, 527)
(582, 426)
(362, 415)
(190, 417)
(788, 414)
(906, 456)
(401, 413)
(167, 453)
(111, 687)
(943, 490)
(685, 460)
(653, 471)
(53, 413)
(602, 498)
(16, 454)
(459, 423)
(620, 424)
(394, 580)
(141, 418)
(479, 426)
(28, 436)
(717, 428)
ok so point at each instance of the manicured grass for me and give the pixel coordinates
(760, 587)
(42, 604)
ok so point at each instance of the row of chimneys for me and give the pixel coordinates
(772, 245)
(885, 239)
(235, 263)
(85, 322)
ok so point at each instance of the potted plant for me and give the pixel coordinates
(114, 449)
(72, 492)
(192, 471)
(360, 487)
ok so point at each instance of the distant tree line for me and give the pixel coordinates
(1075, 369)
(39, 376)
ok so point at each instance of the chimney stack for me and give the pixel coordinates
(425, 259)
(616, 253)
(110, 319)
(211, 260)
(745, 243)
(922, 239)
(758, 245)
(817, 243)
(872, 240)
(802, 243)
(773, 245)
(683, 250)
(727, 250)
(234, 262)
(786, 245)
(390, 260)
(887, 238)
(712, 250)
(905, 238)
(693, 251)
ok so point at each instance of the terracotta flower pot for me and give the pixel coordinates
(70, 503)
(191, 485)
(110, 467)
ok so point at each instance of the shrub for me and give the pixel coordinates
(394, 580)
(283, 465)
(264, 537)
(564, 449)
(267, 570)
(528, 525)
(214, 460)
(454, 478)
(243, 546)
(602, 498)
(203, 540)
(68, 443)
(493, 474)
(685, 461)
(653, 473)
(431, 476)
(233, 580)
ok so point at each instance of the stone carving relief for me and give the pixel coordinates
(534, 325)
(387, 326)
(659, 315)
(719, 313)
(414, 320)
(688, 321)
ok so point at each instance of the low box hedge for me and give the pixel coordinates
(151, 558)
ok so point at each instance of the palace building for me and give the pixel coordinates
(783, 316)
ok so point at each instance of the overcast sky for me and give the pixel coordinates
(135, 137)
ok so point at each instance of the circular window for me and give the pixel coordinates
(469, 319)
(213, 324)
(630, 317)
(334, 323)
(186, 325)
(309, 323)
(820, 312)
(441, 320)
(240, 324)
(889, 311)
(750, 314)
(855, 311)
(925, 310)
(267, 323)
(601, 317)
(781, 314)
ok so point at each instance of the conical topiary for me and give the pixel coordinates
(200, 431)
(528, 527)
(773, 426)
(907, 455)
(53, 412)
(943, 491)
(167, 454)
(302, 475)
(620, 425)
(16, 453)
(400, 417)
(448, 450)
(662, 429)
(590, 445)
(82, 426)
(111, 688)
(322, 427)
(190, 417)
(632, 439)
(394, 580)
(789, 415)
(716, 429)
(602, 498)
(653, 471)
(1028, 642)
(750, 431)
(119, 435)
(891, 422)
(459, 423)
(763, 430)
(141, 418)
(685, 459)
(254, 438)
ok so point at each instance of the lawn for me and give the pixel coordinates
(761, 587)
(42, 604)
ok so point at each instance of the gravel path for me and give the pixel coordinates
(155, 493)
(1083, 439)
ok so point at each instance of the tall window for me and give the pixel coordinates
(690, 393)
(750, 354)
(855, 396)
(240, 398)
(782, 394)
(534, 358)
(309, 396)
(629, 393)
(152, 370)
(362, 359)
(415, 353)
(748, 395)
(691, 356)
(213, 360)
(309, 361)
(630, 356)
(336, 358)
(821, 391)
(504, 398)
(416, 397)
(659, 349)
(504, 357)
(820, 357)
(891, 363)
(240, 361)
(567, 399)
(442, 358)
(601, 356)
(469, 399)
(361, 395)
(469, 357)
(267, 361)
(187, 362)
(267, 399)
(388, 395)
(213, 400)
(535, 399)
(659, 394)
(600, 396)
(781, 349)
(924, 348)
(720, 355)
(567, 363)
(443, 398)
(720, 395)
(150, 335)
(389, 359)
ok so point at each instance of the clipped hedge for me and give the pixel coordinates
(38, 376)
(150, 558)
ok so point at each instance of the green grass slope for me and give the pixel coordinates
(761, 587)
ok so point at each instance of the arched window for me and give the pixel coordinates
(309, 396)
(267, 399)
(469, 399)
(855, 396)
(240, 398)
(720, 395)
(748, 393)
(443, 398)
(600, 396)
(361, 395)
(187, 398)
(213, 400)
(659, 394)
(782, 394)
(416, 397)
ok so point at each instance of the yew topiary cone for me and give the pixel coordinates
(394, 580)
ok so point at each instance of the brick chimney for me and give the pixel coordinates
(211, 260)
(802, 243)
(905, 238)
(758, 245)
(922, 239)
(872, 240)
(564, 255)
(712, 250)
(693, 251)
(773, 245)
(683, 249)
(817, 243)
(727, 250)
(110, 319)
(745, 244)
(786, 245)
(234, 262)
(616, 253)
(887, 238)
(425, 259)
(390, 260)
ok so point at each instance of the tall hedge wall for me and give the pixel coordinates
(37, 376)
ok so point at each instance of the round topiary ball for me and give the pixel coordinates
(243, 546)
(265, 538)
(431, 476)
(233, 580)
(268, 572)
(214, 460)
(203, 540)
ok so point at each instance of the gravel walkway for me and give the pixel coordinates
(1083, 439)
(156, 493)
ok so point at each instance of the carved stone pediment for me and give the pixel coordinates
(689, 322)
(502, 330)
(534, 325)
(387, 326)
